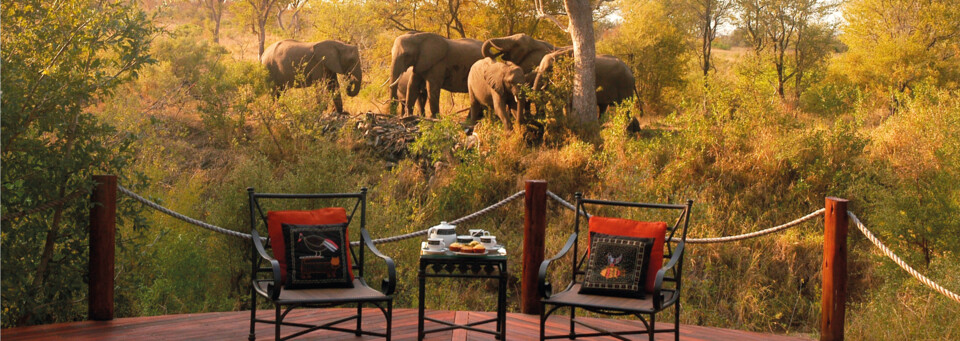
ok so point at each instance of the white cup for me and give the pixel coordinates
(477, 233)
(488, 241)
(435, 244)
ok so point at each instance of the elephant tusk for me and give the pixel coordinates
(394, 82)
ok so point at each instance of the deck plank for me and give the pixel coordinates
(236, 326)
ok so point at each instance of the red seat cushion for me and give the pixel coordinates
(323, 216)
(638, 229)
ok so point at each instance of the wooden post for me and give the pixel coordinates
(834, 298)
(103, 218)
(534, 233)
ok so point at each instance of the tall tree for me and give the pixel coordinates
(895, 44)
(214, 9)
(778, 27)
(580, 28)
(710, 15)
(261, 13)
(59, 59)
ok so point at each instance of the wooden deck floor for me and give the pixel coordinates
(235, 326)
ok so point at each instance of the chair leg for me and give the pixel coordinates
(543, 321)
(676, 322)
(277, 320)
(653, 322)
(389, 319)
(573, 315)
(253, 315)
(359, 318)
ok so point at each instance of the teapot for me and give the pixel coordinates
(443, 231)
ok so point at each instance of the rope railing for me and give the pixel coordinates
(903, 265)
(856, 221)
(726, 239)
(75, 194)
(182, 217)
(238, 234)
(473, 215)
(777, 228)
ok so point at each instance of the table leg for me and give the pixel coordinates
(502, 305)
(423, 280)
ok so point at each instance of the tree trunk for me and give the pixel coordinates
(584, 54)
(216, 29)
(262, 23)
(706, 38)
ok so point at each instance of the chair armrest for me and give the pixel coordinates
(545, 288)
(390, 283)
(275, 287)
(658, 283)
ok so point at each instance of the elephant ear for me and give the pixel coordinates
(329, 56)
(349, 58)
(493, 75)
(432, 49)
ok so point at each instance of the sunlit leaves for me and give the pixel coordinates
(59, 58)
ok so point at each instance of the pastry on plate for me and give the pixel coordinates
(466, 249)
(455, 247)
(479, 249)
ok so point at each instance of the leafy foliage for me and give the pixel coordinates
(893, 58)
(59, 60)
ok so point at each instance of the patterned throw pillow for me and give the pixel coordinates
(617, 266)
(317, 256)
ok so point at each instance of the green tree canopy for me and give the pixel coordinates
(59, 59)
(895, 44)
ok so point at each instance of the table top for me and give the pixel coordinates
(447, 255)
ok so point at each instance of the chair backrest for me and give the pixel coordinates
(258, 216)
(672, 240)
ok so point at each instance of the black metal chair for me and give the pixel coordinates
(267, 279)
(660, 299)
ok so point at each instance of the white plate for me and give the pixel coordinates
(495, 248)
(469, 254)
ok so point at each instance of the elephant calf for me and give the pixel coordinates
(496, 85)
(615, 81)
(298, 64)
(403, 83)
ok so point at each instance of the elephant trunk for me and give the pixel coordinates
(539, 82)
(356, 77)
(486, 49)
(396, 68)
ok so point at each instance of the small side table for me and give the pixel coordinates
(449, 264)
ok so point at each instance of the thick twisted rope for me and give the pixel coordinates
(76, 194)
(777, 228)
(903, 265)
(726, 239)
(565, 203)
(182, 217)
(481, 212)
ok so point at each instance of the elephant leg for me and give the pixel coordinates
(422, 101)
(434, 80)
(413, 90)
(476, 112)
(333, 86)
(500, 108)
(433, 96)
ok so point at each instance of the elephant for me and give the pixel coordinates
(441, 62)
(402, 85)
(496, 85)
(520, 49)
(615, 81)
(315, 62)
